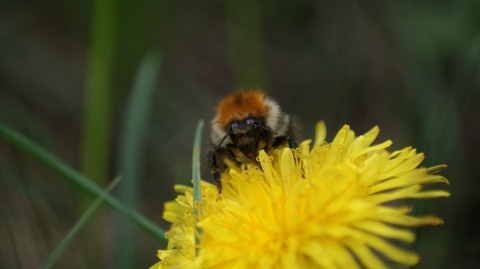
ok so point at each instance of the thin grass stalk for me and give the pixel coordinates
(55, 255)
(98, 93)
(196, 177)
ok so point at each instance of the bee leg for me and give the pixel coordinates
(214, 168)
(216, 163)
(292, 143)
(285, 139)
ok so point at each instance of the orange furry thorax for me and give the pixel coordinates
(241, 105)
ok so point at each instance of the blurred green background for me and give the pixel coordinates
(116, 87)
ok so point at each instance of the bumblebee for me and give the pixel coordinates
(247, 122)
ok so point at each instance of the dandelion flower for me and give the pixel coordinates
(329, 205)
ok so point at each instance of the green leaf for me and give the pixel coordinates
(132, 151)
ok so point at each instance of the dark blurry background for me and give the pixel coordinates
(411, 67)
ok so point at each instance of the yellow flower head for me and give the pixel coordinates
(328, 206)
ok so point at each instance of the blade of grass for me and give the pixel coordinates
(131, 152)
(197, 193)
(51, 161)
(98, 92)
(52, 259)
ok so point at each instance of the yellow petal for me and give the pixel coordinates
(320, 133)
(365, 255)
(390, 251)
(397, 194)
(378, 228)
(430, 194)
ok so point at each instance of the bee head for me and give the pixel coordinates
(247, 127)
(244, 112)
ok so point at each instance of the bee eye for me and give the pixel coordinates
(250, 122)
(232, 126)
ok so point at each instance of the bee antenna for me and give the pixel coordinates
(221, 141)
